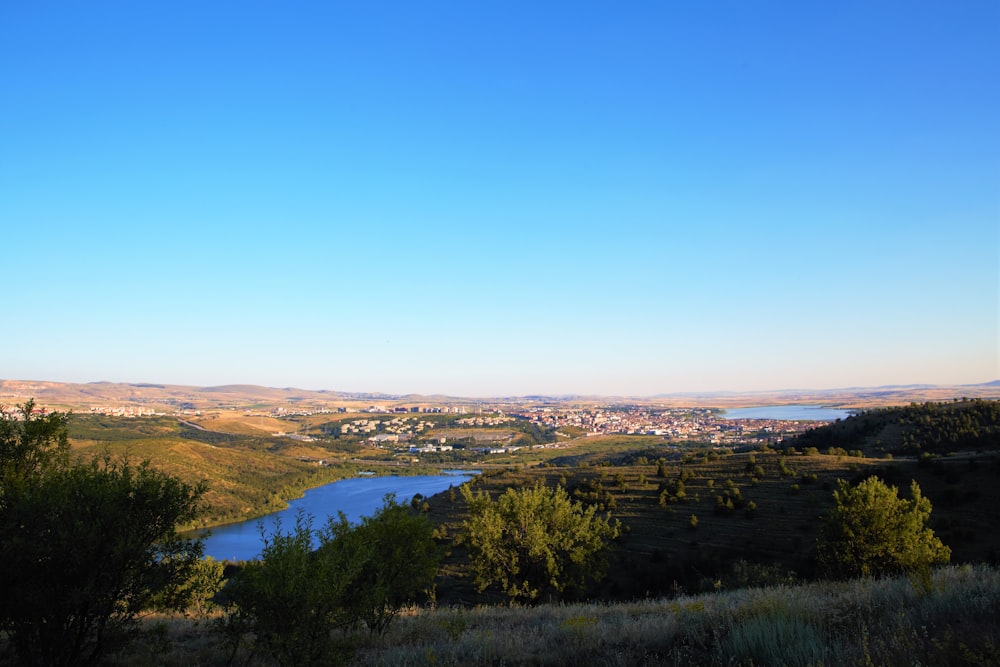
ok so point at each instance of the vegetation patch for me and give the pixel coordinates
(882, 621)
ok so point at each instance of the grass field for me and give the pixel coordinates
(953, 621)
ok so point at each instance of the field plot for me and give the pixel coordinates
(243, 425)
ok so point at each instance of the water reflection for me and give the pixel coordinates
(356, 498)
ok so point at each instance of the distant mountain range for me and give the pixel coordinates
(65, 395)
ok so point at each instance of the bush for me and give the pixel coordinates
(536, 541)
(290, 599)
(85, 548)
(31, 444)
(203, 583)
(294, 597)
(872, 531)
(392, 559)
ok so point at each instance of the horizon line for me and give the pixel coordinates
(530, 395)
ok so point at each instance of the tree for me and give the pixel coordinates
(290, 599)
(85, 547)
(872, 531)
(535, 541)
(30, 443)
(294, 597)
(204, 581)
(391, 559)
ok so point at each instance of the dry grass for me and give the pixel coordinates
(243, 425)
(884, 622)
(954, 621)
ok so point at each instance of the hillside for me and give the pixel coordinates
(247, 474)
(913, 430)
(758, 513)
(764, 534)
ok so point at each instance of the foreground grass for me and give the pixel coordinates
(952, 618)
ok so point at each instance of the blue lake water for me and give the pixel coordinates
(356, 498)
(789, 412)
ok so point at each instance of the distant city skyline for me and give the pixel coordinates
(485, 200)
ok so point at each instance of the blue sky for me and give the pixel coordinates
(501, 198)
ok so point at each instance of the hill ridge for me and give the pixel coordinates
(69, 394)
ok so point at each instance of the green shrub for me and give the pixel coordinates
(872, 531)
(85, 548)
(535, 541)
(294, 597)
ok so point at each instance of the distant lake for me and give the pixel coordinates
(788, 412)
(356, 498)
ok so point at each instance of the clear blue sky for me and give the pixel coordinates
(481, 198)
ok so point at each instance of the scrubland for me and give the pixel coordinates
(949, 618)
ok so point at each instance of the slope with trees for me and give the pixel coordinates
(936, 428)
(250, 475)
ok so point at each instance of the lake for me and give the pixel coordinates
(356, 498)
(788, 412)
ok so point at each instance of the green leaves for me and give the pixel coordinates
(30, 443)
(872, 531)
(384, 563)
(294, 596)
(535, 541)
(289, 599)
(85, 549)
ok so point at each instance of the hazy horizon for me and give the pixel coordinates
(479, 200)
(764, 392)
